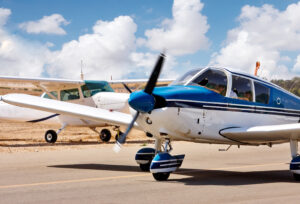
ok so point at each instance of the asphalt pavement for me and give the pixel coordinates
(98, 175)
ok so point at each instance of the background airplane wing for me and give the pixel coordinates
(71, 109)
(41, 83)
(263, 133)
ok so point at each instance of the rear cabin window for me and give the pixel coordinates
(69, 94)
(214, 80)
(241, 88)
(262, 93)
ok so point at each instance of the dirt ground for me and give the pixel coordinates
(19, 137)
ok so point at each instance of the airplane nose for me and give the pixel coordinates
(141, 101)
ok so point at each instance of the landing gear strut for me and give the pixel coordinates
(295, 163)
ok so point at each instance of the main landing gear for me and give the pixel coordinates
(295, 163)
(160, 163)
(51, 135)
(105, 134)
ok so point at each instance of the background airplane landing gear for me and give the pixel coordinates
(105, 135)
(51, 136)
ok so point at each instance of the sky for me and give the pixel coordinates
(122, 39)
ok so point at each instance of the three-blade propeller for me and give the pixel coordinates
(142, 101)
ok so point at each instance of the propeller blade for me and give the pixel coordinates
(122, 137)
(127, 88)
(154, 75)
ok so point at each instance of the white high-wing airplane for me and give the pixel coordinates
(210, 105)
(97, 94)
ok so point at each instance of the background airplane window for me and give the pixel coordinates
(92, 87)
(241, 88)
(262, 93)
(54, 93)
(69, 94)
(214, 80)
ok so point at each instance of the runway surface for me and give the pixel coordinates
(98, 175)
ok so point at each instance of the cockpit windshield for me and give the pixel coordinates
(92, 87)
(185, 78)
(212, 79)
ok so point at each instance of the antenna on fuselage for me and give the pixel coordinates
(81, 72)
(257, 68)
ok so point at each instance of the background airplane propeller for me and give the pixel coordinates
(142, 101)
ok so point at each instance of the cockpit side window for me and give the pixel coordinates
(214, 80)
(241, 88)
(262, 93)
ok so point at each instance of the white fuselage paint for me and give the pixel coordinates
(201, 125)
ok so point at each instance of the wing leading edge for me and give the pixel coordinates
(71, 109)
(263, 133)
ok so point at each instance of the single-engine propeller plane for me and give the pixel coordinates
(209, 105)
(98, 94)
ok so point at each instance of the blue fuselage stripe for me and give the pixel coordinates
(232, 107)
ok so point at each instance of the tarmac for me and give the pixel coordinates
(96, 174)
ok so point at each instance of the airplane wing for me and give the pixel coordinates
(71, 109)
(50, 84)
(263, 133)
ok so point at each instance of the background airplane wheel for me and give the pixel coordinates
(118, 135)
(50, 136)
(296, 177)
(145, 167)
(105, 135)
(161, 176)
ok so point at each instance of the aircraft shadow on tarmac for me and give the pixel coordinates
(203, 176)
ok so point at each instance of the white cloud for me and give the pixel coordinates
(184, 34)
(48, 24)
(4, 14)
(105, 52)
(19, 57)
(263, 34)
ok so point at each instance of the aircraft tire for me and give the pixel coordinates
(50, 136)
(118, 135)
(145, 167)
(105, 135)
(161, 176)
(296, 177)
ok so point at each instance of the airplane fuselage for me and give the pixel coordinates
(192, 112)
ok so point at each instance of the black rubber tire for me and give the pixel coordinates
(296, 177)
(105, 135)
(161, 176)
(118, 135)
(50, 136)
(145, 167)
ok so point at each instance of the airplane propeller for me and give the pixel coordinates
(142, 101)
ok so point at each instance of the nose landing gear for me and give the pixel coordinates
(160, 163)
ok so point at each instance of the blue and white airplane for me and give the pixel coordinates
(210, 105)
